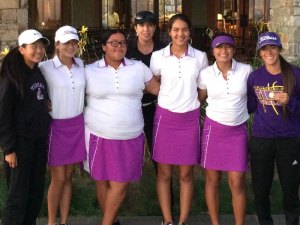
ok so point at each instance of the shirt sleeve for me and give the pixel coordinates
(147, 73)
(7, 129)
(155, 64)
(251, 96)
(205, 60)
(201, 80)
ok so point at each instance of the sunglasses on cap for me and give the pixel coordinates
(145, 16)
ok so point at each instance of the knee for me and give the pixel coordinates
(212, 182)
(237, 186)
(186, 177)
(163, 176)
(60, 181)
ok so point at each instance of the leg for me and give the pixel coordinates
(148, 114)
(262, 172)
(115, 196)
(186, 180)
(101, 192)
(237, 186)
(163, 182)
(65, 200)
(15, 207)
(37, 182)
(55, 191)
(212, 183)
(287, 161)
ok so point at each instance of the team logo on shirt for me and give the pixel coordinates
(266, 95)
(38, 87)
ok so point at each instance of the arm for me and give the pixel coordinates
(202, 95)
(251, 97)
(292, 103)
(7, 130)
(153, 86)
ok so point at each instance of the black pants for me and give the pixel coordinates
(148, 114)
(25, 183)
(264, 154)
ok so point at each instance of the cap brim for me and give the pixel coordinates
(45, 40)
(141, 21)
(68, 38)
(268, 43)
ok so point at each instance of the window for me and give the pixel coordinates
(259, 10)
(48, 14)
(110, 15)
(140, 5)
(167, 8)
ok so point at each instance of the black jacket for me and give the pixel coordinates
(27, 116)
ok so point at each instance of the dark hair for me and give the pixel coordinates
(106, 35)
(182, 17)
(289, 80)
(13, 67)
(145, 16)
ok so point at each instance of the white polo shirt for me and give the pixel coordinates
(113, 98)
(227, 99)
(66, 87)
(179, 78)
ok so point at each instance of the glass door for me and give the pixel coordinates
(48, 14)
(167, 8)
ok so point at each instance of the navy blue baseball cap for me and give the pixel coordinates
(268, 38)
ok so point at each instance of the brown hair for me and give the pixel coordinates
(182, 17)
(289, 80)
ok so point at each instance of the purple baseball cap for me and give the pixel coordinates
(223, 39)
(268, 38)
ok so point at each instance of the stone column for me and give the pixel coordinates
(285, 20)
(13, 20)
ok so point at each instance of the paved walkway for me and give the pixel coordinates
(156, 220)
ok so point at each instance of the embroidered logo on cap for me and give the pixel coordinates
(263, 38)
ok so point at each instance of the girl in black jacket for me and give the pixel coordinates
(24, 121)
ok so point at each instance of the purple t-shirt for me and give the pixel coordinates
(268, 115)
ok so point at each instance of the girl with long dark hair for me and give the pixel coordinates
(274, 98)
(24, 122)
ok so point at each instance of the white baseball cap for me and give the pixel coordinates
(30, 36)
(65, 34)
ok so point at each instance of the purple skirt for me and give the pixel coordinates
(224, 147)
(176, 137)
(66, 141)
(116, 160)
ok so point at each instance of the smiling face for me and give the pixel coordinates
(270, 55)
(145, 31)
(115, 54)
(68, 49)
(33, 53)
(223, 53)
(180, 33)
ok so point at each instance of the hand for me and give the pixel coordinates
(49, 104)
(11, 159)
(281, 98)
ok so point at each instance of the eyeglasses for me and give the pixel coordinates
(117, 43)
(145, 16)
